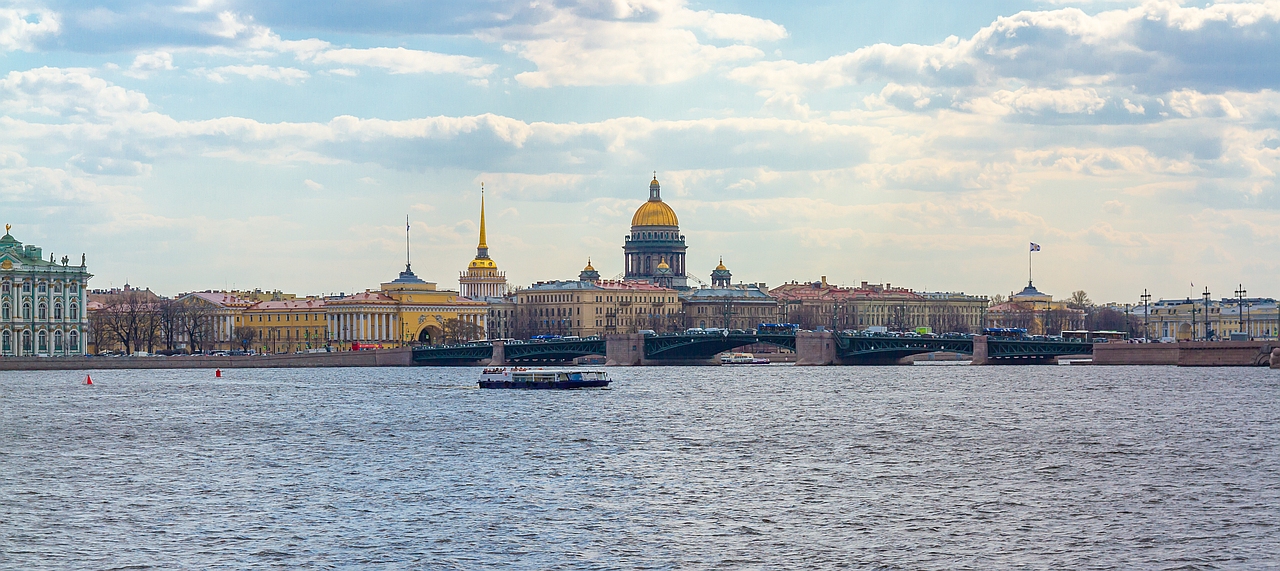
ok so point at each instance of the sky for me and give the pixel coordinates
(280, 144)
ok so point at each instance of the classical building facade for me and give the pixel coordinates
(285, 326)
(655, 241)
(591, 306)
(482, 278)
(1036, 312)
(42, 302)
(728, 306)
(819, 304)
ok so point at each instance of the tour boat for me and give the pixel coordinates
(539, 378)
(741, 359)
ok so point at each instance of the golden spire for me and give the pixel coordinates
(483, 245)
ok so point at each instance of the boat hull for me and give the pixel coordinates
(544, 385)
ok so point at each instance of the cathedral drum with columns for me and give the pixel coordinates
(655, 250)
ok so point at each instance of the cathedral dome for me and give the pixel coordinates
(655, 212)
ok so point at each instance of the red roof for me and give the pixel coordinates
(290, 304)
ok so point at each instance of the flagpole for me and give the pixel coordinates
(1029, 251)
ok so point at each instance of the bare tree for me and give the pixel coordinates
(996, 299)
(457, 330)
(245, 336)
(130, 319)
(1079, 300)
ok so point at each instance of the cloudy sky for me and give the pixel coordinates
(280, 144)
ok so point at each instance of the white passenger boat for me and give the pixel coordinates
(539, 378)
(741, 359)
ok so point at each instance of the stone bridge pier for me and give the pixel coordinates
(816, 348)
(499, 355)
(625, 350)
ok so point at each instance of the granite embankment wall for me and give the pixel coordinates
(1186, 354)
(375, 358)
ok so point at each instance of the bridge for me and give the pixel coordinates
(812, 348)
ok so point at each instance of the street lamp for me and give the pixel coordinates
(1146, 315)
(1240, 292)
(1206, 313)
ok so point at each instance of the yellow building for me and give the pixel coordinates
(591, 306)
(404, 311)
(284, 326)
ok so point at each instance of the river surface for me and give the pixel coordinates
(776, 467)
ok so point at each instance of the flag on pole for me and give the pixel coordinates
(1035, 247)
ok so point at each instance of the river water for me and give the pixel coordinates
(777, 467)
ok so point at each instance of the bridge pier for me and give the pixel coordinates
(816, 348)
(980, 351)
(499, 358)
(625, 350)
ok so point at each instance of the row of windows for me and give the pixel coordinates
(72, 341)
(41, 287)
(657, 236)
(42, 311)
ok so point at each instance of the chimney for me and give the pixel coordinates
(824, 281)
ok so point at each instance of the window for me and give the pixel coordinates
(7, 344)
(43, 287)
(73, 340)
(43, 341)
(26, 287)
(43, 312)
(57, 288)
(26, 342)
(74, 312)
(5, 288)
(57, 341)
(26, 310)
(4, 311)
(57, 312)
(73, 288)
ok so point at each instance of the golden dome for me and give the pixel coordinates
(721, 266)
(482, 264)
(655, 213)
(663, 264)
(588, 268)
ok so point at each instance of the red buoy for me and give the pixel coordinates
(88, 380)
(217, 373)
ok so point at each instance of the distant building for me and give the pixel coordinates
(819, 304)
(1036, 312)
(727, 306)
(1190, 319)
(42, 302)
(591, 306)
(655, 241)
(286, 326)
(482, 278)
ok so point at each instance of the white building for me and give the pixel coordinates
(42, 302)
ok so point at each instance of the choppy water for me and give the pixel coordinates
(675, 468)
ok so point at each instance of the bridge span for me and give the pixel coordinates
(811, 347)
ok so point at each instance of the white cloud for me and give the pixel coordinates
(401, 60)
(19, 32)
(630, 42)
(313, 185)
(287, 75)
(146, 64)
(66, 92)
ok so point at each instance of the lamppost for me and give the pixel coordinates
(1240, 292)
(1206, 313)
(1146, 315)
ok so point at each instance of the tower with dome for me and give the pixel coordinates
(482, 278)
(655, 241)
